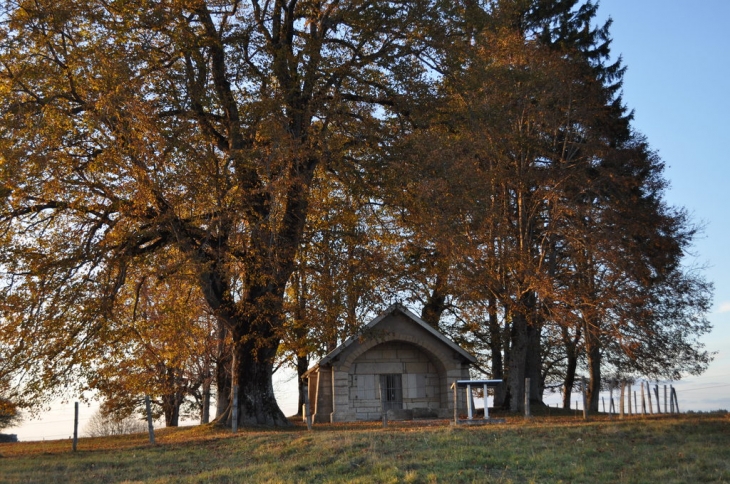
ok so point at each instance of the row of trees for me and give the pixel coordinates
(196, 192)
(528, 217)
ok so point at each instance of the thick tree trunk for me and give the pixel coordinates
(255, 341)
(257, 404)
(525, 359)
(256, 401)
(255, 321)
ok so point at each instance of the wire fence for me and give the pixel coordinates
(691, 398)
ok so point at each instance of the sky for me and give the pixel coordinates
(677, 54)
(678, 58)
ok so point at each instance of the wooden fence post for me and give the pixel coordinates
(150, 427)
(649, 408)
(307, 408)
(527, 397)
(486, 403)
(636, 404)
(585, 401)
(648, 391)
(610, 401)
(658, 406)
(628, 397)
(456, 403)
(643, 400)
(76, 425)
(623, 398)
(676, 402)
(666, 407)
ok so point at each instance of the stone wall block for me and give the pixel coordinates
(417, 367)
(380, 368)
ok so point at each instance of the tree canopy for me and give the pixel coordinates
(285, 166)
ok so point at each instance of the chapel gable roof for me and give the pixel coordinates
(393, 309)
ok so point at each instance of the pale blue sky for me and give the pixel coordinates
(678, 58)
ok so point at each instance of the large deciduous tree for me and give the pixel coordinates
(134, 131)
(292, 164)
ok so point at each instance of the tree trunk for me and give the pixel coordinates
(517, 362)
(256, 401)
(255, 321)
(205, 411)
(171, 401)
(222, 374)
(223, 391)
(533, 362)
(171, 408)
(302, 367)
(255, 341)
(507, 357)
(569, 379)
(435, 304)
(571, 352)
(524, 353)
(495, 347)
(593, 353)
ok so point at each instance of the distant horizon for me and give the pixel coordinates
(57, 424)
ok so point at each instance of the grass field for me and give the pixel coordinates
(685, 449)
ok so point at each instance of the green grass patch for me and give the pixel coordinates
(690, 448)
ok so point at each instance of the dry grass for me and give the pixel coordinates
(544, 449)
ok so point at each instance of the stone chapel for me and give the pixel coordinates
(397, 353)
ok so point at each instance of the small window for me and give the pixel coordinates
(392, 387)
